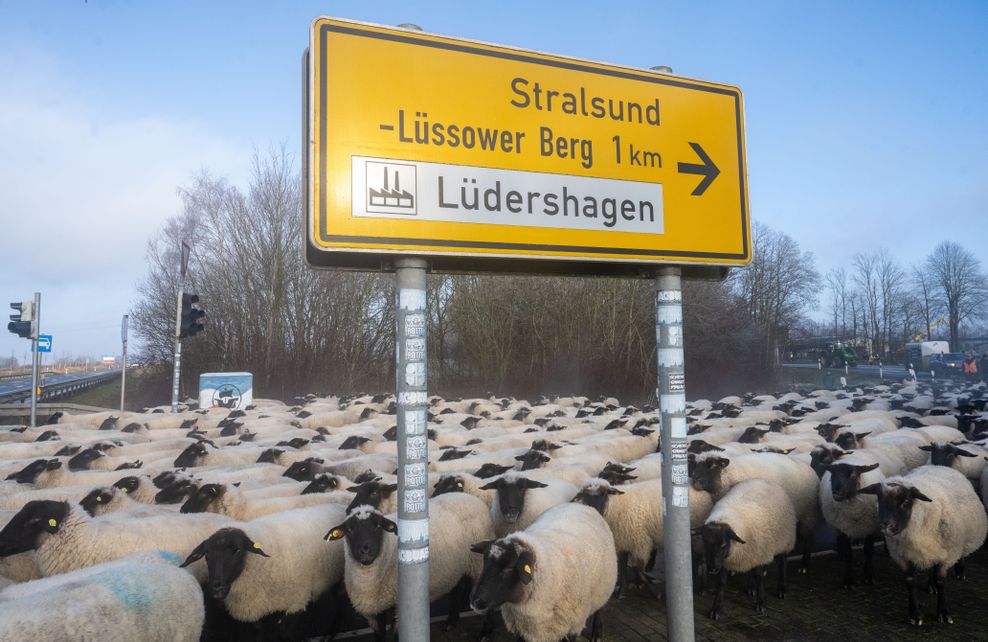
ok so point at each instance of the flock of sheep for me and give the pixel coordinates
(280, 522)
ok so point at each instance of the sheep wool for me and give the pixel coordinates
(943, 531)
(574, 573)
(301, 567)
(140, 597)
(762, 514)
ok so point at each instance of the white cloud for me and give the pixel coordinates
(84, 185)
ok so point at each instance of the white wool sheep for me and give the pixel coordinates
(292, 567)
(521, 500)
(566, 566)
(227, 499)
(456, 522)
(931, 519)
(67, 538)
(140, 597)
(757, 521)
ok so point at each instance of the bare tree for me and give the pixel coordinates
(960, 285)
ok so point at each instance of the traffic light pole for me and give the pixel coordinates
(178, 351)
(35, 330)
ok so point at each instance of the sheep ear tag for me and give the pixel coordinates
(334, 534)
(52, 526)
(256, 549)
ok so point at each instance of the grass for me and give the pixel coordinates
(145, 387)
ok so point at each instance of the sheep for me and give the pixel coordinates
(937, 532)
(550, 578)
(852, 515)
(753, 524)
(288, 566)
(66, 538)
(456, 522)
(140, 597)
(521, 500)
(717, 475)
(226, 499)
(968, 458)
(111, 499)
(140, 488)
(21, 567)
(463, 483)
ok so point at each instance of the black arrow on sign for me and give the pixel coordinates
(708, 170)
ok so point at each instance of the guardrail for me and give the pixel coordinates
(27, 375)
(59, 390)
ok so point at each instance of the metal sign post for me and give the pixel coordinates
(123, 365)
(35, 326)
(413, 450)
(178, 351)
(671, 393)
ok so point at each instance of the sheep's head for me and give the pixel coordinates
(372, 493)
(509, 567)
(84, 459)
(533, 459)
(448, 484)
(192, 455)
(201, 500)
(451, 453)
(823, 456)
(828, 430)
(707, 472)
(321, 484)
(698, 446)
(176, 492)
(301, 471)
(846, 478)
(226, 554)
(364, 530)
(752, 435)
(849, 440)
(25, 530)
(511, 495)
(718, 539)
(595, 493)
(30, 473)
(489, 470)
(353, 442)
(895, 505)
(942, 454)
(270, 456)
(96, 498)
(128, 484)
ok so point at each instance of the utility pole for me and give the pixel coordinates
(35, 329)
(123, 362)
(177, 375)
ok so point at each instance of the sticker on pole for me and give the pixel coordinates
(489, 157)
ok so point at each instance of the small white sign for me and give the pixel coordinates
(385, 188)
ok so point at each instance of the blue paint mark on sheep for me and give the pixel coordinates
(135, 594)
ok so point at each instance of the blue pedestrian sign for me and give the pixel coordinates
(44, 343)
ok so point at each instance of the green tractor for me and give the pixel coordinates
(837, 355)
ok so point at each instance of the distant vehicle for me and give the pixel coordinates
(921, 354)
(837, 355)
(948, 364)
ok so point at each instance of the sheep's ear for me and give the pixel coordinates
(873, 489)
(788, 450)
(927, 447)
(531, 483)
(578, 498)
(868, 468)
(734, 536)
(335, 533)
(526, 567)
(963, 453)
(614, 491)
(388, 525)
(255, 548)
(721, 462)
(916, 494)
(196, 554)
(497, 484)
(862, 435)
(390, 488)
(481, 547)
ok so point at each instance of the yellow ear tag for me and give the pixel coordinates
(123, 490)
(527, 569)
(335, 533)
(99, 500)
(52, 523)
(256, 545)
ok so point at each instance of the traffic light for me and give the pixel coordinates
(22, 323)
(191, 316)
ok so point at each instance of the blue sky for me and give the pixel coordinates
(867, 123)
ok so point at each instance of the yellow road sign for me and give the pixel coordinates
(471, 153)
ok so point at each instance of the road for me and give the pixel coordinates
(23, 386)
